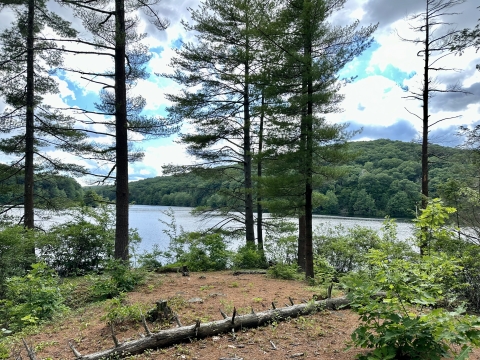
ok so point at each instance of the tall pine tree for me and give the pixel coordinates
(306, 80)
(27, 61)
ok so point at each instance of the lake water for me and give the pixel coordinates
(149, 221)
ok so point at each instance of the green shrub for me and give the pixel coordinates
(324, 272)
(81, 245)
(151, 260)
(249, 257)
(32, 298)
(16, 253)
(434, 232)
(281, 241)
(284, 271)
(4, 352)
(405, 324)
(118, 278)
(199, 251)
(345, 249)
(118, 312)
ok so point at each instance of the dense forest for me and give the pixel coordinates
(52, 191)
(382, 179)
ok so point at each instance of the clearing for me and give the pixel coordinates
(323, 335)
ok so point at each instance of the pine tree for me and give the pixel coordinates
(312, 52)
(25, 69)
(114, 35)
(220, 95)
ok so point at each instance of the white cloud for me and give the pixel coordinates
(173, 153)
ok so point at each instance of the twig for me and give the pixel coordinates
(115, 340)
(147, 330)
(233, 316)
(75, 351)
(30, 352)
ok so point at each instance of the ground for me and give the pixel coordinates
(323, 335)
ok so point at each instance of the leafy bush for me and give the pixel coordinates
(345, 249)
(281, 240)
(31, 298)
(434, 232)
(4, 352)
(16, 253)
(284, 271)
(403, 324)
(324, 272)
(199, 251)
(81, 245)
(118, 312)
(248, 257)
(118, 278)
(151, 260)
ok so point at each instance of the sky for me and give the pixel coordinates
(374, 102)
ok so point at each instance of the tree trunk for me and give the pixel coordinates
(259, 175)
(28, 219)
(309, 273)
(247, 155)
(172, 336)
(425, 94)
(121, 227)
(301, 243)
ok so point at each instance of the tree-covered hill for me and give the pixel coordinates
(53, 191)
(383, 179)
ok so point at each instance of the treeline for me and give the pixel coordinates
(382, 179)
(53, 191)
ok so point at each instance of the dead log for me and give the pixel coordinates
(182, 269)
(176, 335)
(249, 272)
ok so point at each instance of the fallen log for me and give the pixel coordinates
(249, 272)
(182, 269)
(176, 335)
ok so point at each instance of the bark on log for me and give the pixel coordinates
(183, 269)
(176, 335)
(249, 272)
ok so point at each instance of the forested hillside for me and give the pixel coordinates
(50, 190)
(383, 179)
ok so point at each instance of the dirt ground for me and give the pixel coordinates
(323, 335)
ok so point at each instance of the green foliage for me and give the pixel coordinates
(31, 298)
(389, 172)
(324, 272)
(284, 271)
(345, 249)
(281, 240)
(431, 230)
(401, 324)
(15, 253)
(118, 312)
(434, 231)
(198, 251)
(81, 245)
(203, 252)
(4, 352)
(118, 278)
(249, 257)
(151, 260)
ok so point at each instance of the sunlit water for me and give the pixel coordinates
(150, 223)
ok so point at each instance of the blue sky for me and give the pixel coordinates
(374, 101)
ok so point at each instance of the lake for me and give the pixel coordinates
(148, 221)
